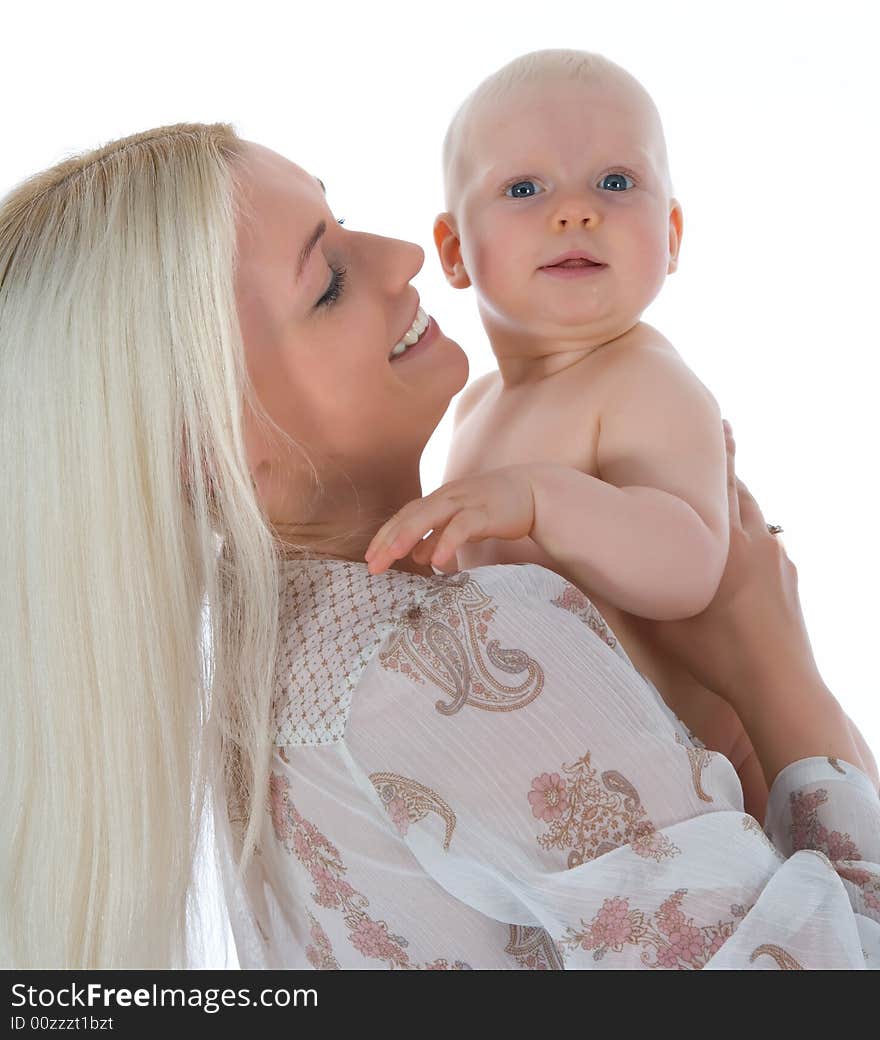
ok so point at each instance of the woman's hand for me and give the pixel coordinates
(495, 504)
(754, 629)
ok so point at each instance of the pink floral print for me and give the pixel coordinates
(573, 600)
(807, 831)
(321, 858)
(320, 955)
(547, 797)
(591, 814)
(667, 939)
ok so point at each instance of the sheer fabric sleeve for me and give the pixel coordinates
(539, 779)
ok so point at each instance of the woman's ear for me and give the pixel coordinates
(449, 250)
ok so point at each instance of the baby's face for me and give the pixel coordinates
(565, 168)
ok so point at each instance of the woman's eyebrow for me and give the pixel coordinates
(309, 246)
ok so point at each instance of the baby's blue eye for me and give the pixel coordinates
(618, 177)
(522, 190)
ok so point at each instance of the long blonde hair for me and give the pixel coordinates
(131, 529)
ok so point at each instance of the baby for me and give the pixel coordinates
(592, 435)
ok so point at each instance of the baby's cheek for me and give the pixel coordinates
(650, 256)
(495, 270)
(651, 265)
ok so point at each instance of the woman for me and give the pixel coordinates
(462, 770)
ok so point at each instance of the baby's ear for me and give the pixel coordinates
(449, 250)
(676, 228)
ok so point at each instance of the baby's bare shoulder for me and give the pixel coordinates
(472, 394)
(649, 359)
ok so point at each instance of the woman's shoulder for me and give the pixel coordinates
(344, 594)
(335, 617)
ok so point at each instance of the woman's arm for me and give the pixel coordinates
(752, 648)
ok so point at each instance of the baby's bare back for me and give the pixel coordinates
(557, 420)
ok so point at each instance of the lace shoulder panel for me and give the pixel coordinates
(333, 616)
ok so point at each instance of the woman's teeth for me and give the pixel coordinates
(413, 333)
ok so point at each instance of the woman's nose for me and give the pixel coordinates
(394, 260)
(410, 257)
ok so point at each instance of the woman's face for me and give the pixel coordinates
(317, 344)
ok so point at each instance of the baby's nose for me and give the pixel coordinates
(575, 208)
(578, 217)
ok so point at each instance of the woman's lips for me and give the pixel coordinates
(425, 340)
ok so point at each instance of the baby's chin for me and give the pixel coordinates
(573, 322)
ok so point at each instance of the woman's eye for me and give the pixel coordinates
(616, 178)
(522, 190)
(334, 289)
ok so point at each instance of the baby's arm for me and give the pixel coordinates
(650, 534)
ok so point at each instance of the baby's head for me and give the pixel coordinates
(558, 152)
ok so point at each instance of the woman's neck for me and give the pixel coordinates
(344, 522)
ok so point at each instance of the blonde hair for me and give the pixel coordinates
(131, 522)
(537, 67)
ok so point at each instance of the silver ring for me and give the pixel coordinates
(774, 528)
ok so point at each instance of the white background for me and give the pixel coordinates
(771, 116)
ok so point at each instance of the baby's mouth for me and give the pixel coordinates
(576, 263)
(572, 260)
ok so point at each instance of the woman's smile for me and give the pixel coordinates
(430, 331)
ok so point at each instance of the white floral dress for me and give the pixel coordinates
(468, 773)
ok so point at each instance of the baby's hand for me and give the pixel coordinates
(495, 504)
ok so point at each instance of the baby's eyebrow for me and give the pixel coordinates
(642, 166)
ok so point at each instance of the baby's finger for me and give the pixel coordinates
(389, 531)
(467, 525)
(380, 538)
(412, 522)
(425, 549)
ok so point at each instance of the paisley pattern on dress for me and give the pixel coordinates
(699, 758)
(591, 815)
(751, 824)
(572, 599)
(444, 639)
(785, 960)
(533, 948)
(668, 938)
(322, 860)
(407, 801)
